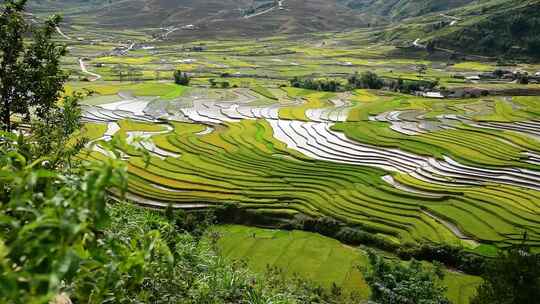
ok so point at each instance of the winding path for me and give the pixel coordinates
(59, 31)
(84, 70)
(279, 6)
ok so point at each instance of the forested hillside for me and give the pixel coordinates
(505, 32)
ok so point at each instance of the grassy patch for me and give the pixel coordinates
(163, 90)
(474, 66)
(323, 260)
(125, 60)
(264, 92)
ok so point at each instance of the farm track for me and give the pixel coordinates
(59, 31)
(85, 71)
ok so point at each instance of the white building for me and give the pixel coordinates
(473, 78)
(437, 95)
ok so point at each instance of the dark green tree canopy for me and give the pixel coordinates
(512, 278)
(181, 78)
(396, 283)
(31, 79)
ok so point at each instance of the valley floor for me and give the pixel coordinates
(404, 168)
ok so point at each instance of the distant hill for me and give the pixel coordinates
(491, 27)
(399, 9)
(211, 18)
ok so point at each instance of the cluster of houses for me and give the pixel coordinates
(517, 76)
(454, 93)
(504, 75)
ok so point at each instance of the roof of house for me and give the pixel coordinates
(433, 95)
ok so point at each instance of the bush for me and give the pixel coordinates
(356, 236)
(318, 85)
(366, 80)
(452, 256)
(395, 283)
(512, 278)
(181, 78)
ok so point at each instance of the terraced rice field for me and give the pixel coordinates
(320, 259)
(406, 168)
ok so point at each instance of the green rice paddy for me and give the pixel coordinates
(317, 258)
(242, 162)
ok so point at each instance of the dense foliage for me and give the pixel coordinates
(512, 278)
(396, 283)
(514, 32)
(317, 84)
(366, 80)
(181, 78)
(31, 79)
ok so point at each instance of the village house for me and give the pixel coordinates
(473, 78)
(436, 95)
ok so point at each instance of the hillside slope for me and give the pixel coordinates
(398, 9)
(489, 27)
(513, 30)
(211, 18)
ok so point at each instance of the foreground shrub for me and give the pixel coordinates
(49, 221)
(511, 279)
(396, 283)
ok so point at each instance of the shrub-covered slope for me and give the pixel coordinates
(514, 30)
(491, 27)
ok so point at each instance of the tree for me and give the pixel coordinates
(53, 138)
(12, 29)
(225, 85)
(30, 76)
(523, 78)
(395, 283)
(371, 80)
(327, 85)
(181, 78)
(430, 47)
(519, 25)
(512, 278)
(421, 68)
(366, 80)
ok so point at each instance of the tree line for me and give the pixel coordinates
(365, 80)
